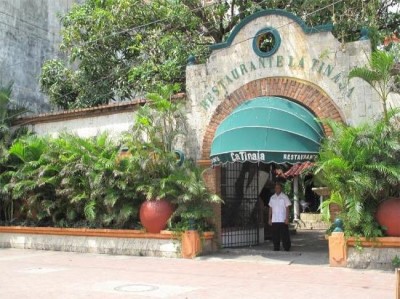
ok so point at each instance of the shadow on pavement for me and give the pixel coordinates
(309, 247)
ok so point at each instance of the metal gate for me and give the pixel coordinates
(239, 213)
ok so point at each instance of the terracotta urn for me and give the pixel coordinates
(154, 215)
(388, 215)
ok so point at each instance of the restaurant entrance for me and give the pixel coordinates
(245, 190)
(249, 146)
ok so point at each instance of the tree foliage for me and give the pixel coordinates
(379, 75)
(119, 49)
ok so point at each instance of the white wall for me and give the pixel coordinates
(114, 124)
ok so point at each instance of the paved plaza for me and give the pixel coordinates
(239, 273)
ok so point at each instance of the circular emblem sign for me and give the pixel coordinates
(266, 42)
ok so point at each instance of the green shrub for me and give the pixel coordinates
(360, 166)
(73, 181)
(68, 180)
(396, 262)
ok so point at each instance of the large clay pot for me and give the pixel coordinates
(154, 215)
(388, 215)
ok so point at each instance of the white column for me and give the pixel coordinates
(321, 199)
(296, 210)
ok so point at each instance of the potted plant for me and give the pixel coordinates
(360, 166)
(194, 213)
(383, 76)
(194, 201)
(159, 124)
(159, 189)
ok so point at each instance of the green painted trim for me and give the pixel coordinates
(277, 37)
(262, 13)
(180, 157)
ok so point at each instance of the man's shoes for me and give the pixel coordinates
(276, 249)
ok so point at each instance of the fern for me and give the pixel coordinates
(90, 211)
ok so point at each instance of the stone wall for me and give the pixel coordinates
(371, 258)
(108, 241)
(30, 34)
(117, 246)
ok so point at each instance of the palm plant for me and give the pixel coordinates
(162, 121)
(73, 181)
(194, 201)
(69, 181)
(157, 127)
(157, 171)
(5, 93)
(100, 191)
(28, 178)
(360, 166)
(379, 75)
(8, 112)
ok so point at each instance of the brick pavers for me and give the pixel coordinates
(45, 274)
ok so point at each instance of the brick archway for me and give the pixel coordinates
(305, 93)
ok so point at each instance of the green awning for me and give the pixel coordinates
(268, 130)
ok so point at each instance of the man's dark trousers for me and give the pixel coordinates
(280, 231)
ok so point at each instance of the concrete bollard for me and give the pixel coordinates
(337, 250)
(191, 244)
(397, 283)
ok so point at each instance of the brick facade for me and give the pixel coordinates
(212, 179)
(302, 92)
(310, 96)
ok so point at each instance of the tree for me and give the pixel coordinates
(349, 16)
(8, 112)
(379, 75)
(158, 125)
(118, 49)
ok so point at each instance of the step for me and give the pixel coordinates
(310, 221)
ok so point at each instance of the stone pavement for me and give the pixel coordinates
(257, 273)
(309, 247)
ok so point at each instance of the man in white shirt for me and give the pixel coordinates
(279, 218)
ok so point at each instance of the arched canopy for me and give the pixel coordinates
(267, 130)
